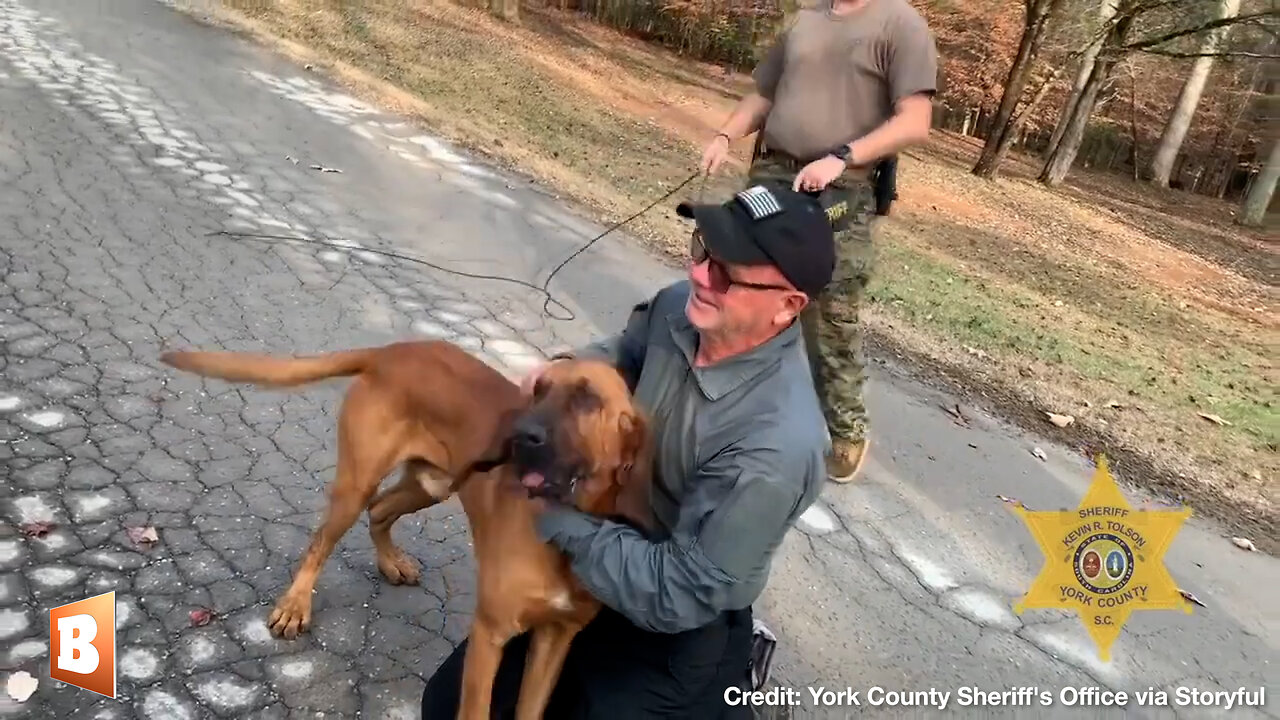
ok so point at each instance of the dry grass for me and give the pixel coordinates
(1076, 304)
(1131, 309)
(548, 98)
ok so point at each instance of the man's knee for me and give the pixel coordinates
(665, 676)
(443, 692)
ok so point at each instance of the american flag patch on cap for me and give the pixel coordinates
(759, 202)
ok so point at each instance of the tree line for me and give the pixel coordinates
(1124, 53)
(1177, 93)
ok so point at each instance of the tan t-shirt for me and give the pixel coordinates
(834, 78)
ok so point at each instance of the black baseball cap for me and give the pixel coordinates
(770, 224)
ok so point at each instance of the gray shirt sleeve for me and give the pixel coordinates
(769, 70)
(727, 531)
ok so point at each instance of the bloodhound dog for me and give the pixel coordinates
(454, 425)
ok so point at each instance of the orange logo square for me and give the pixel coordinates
(82, 644)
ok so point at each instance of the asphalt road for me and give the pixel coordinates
(129, 131)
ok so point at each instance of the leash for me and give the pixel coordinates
(330, 242)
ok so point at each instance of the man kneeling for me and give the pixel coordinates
(718, 363)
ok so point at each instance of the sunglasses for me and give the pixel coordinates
(720, 279)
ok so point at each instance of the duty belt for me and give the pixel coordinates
(794, 164)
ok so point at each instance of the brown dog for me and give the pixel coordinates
(457, 425)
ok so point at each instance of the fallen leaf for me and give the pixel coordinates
(1190, 598)
(1010, 500)
(324, 169)
(21, 685)
(143, 535)
(1115, 404)
(1244, 544)
(201, 617)
(1213, 418)
(977, 352)
(291, 159)
(1060, 420)
(39, 528)
(1039, 453)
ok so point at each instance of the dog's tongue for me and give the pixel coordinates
(532, 480)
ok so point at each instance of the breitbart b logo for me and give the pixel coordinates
(82, 644)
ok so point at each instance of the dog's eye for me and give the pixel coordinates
(585, 400)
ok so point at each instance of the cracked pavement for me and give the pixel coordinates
(130, 132)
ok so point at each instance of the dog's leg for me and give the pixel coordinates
(415, 491)
(367, 450)
(292, 613)
(479, 668)
(547, 650)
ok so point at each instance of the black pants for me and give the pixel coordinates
(616, 671)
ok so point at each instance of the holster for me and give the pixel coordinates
(884, 178)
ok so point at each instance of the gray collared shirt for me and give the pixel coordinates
(739, 456)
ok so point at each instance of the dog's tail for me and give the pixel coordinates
(269, 370)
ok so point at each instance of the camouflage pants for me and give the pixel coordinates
(832, 331)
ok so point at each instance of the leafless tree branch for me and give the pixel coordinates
(1203, 27)
(1227, 53)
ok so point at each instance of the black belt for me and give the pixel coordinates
(795, 164)
(778, 156)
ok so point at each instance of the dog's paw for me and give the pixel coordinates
(290, 617)
(399, 569)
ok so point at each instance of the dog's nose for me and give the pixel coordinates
(531, 434)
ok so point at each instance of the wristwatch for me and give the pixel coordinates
(842, 151)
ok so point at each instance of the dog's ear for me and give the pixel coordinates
(635, 473)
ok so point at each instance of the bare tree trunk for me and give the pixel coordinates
(1017, 124)
(1226, 174)
(508, 10)
(1039, 13)
(1175, 130)
(1254, 208)
(1133, 116)
(1106, 11)
(1063, 157)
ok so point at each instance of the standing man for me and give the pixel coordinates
(849, 83)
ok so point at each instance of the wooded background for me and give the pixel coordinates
(1178, 93)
